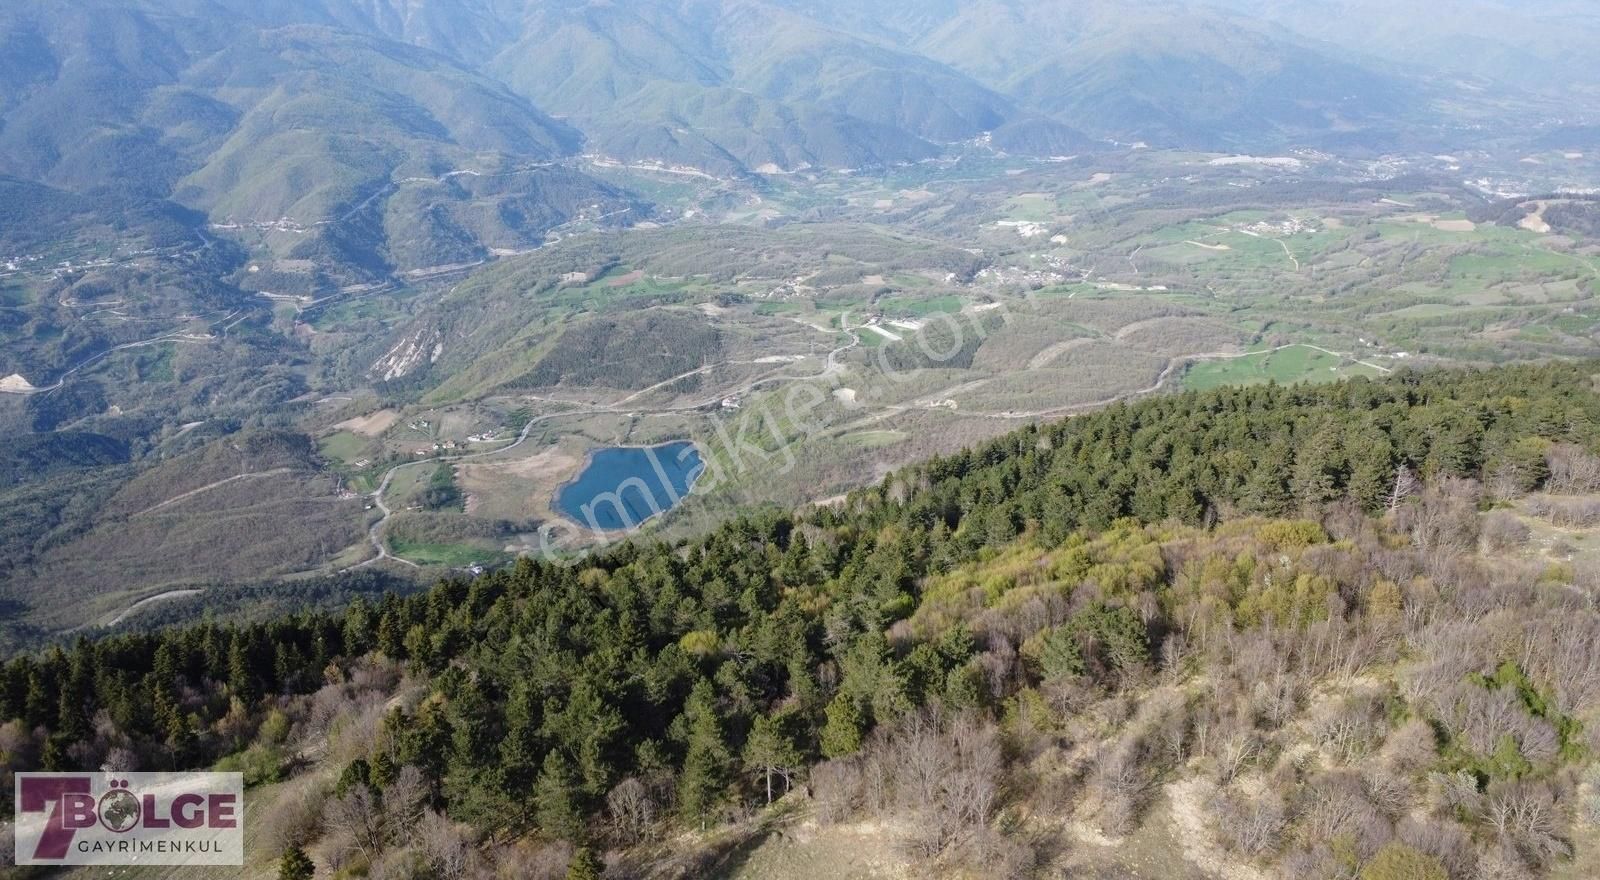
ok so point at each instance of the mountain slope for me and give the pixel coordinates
(1540, 47)
(1005, 660)
(741, 81)
(282, 121)
(1165, 73)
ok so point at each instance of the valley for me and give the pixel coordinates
(818, 331)
(776, 439)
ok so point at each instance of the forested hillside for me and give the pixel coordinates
(1307, 621)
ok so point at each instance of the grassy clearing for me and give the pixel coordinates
(901, 305)
(1296, 364)
(343, 312)
(1426, 311)
(155, 365)
(345, 446)
(452, 555)
(779, 307)
(877, 439)
(1034, 207)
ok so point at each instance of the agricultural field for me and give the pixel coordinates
(1286, 366)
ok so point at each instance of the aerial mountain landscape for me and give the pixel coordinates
(778, 439)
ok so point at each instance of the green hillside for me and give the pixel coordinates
(306, 140)
(1093, 622)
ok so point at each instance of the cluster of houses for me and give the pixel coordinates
(441, 446)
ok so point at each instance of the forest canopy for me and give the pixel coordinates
(1012, 584)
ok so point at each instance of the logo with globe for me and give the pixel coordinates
(119, 809)
(127, 817)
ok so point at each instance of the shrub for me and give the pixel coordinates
(1288, 535)
(1503, 531)
(1397, 861)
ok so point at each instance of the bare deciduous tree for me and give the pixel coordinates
(1503, 531)
(1347, 728)
(1524, 815)
(404, 800)
(292, 817)
(1444, 520)
(1410, 748)
(1405, 485)
(632, 809)
(447, 846)
(1589, 795)
(1251, 825)
(1455, 793)
(1335, 804)
(547, 862)
(357, 818)
(1446, 841)
(120, 760)
(1572, 470)
(1000, 856)
(837, 788)
(1123, 784)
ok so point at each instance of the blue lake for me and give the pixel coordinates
(622, 486)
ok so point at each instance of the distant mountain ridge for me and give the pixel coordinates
(332, 127)
(291, 121)
(726, 85)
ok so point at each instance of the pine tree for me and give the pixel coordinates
(841, 735)
(54, 755)
(1371, 460)
(472, 731)
(705, 765)
(1267, 490)
(1318, 468)
(180, 737)
(295, 865)
(555, 799)
(286, 663)
(585, 865)
(519, 757)
(384, 772)
(241, 680)
(357, 629)
(357, 772)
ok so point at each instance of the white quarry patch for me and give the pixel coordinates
(408, 354)
(1024, 228)
(16, 384)
(1267, 161)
